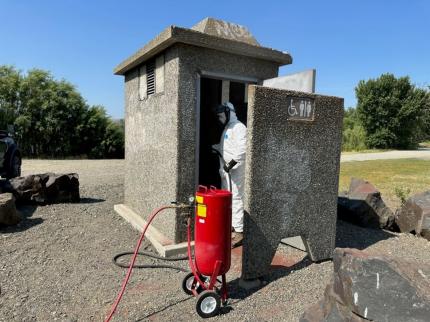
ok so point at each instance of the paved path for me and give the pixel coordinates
(414, 154)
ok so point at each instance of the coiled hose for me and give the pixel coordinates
(151, 255)
(135, 253)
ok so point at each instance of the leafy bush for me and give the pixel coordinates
(402, 194)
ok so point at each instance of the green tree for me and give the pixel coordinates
(52, 119)
(112, 145)
(100, 136)
(424, 133)
(353, 134)
(350, 118)
(53, 110)
(10, 80)
(94, 130)
(390, 110)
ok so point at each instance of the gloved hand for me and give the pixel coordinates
(228, 166)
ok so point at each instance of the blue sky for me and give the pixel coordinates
(346, 41)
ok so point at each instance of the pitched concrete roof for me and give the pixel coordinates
(225, 30)
(209, 33)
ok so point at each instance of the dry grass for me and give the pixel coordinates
(425, 144)
(366, 151)
(389, 176)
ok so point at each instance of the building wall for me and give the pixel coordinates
(160, 144)
(193, 60)
(151, 145)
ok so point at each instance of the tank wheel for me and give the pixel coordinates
(208, 304)
(188, 282)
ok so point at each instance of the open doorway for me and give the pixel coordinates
(212, 93)
(210, 131)
(238, 96)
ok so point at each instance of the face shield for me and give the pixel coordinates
(223, 112)
(222, 118)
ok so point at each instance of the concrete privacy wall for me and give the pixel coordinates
(151, 144)
(292, 174)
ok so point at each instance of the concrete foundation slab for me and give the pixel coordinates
(296, 242)
(164, 246)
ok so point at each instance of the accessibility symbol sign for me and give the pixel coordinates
(301, 109)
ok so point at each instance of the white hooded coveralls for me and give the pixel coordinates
(233, 146)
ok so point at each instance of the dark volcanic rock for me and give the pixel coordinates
(374, 288)
(46, 188)
(329, 310)
(363, 206)
(8, 213)
(415, 215)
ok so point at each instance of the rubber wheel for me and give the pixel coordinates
(188, 281)
(208, 304)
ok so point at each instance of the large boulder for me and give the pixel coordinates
(363, 206)
(374, 288)
(46, 188)
(414, 216)
(8, 213)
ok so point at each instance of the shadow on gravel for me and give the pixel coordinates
(352, 236)
(144, 318)
(238, 294)
(27, 210)
(347, 236)
(26, 223)
(22, 226)
(91, 200)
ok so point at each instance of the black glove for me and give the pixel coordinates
(229, 166)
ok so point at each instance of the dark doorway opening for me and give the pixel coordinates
(237, 97)
(210, 129)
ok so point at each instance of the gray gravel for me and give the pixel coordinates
(56, 265)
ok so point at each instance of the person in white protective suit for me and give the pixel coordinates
(232, 148)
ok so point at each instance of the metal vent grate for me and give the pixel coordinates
(150, 77)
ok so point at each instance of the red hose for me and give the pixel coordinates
(133, 260)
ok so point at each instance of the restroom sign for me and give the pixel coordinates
(301, 109)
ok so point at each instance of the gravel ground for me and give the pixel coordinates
(56, 265)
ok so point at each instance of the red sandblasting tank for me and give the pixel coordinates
(212, 230)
